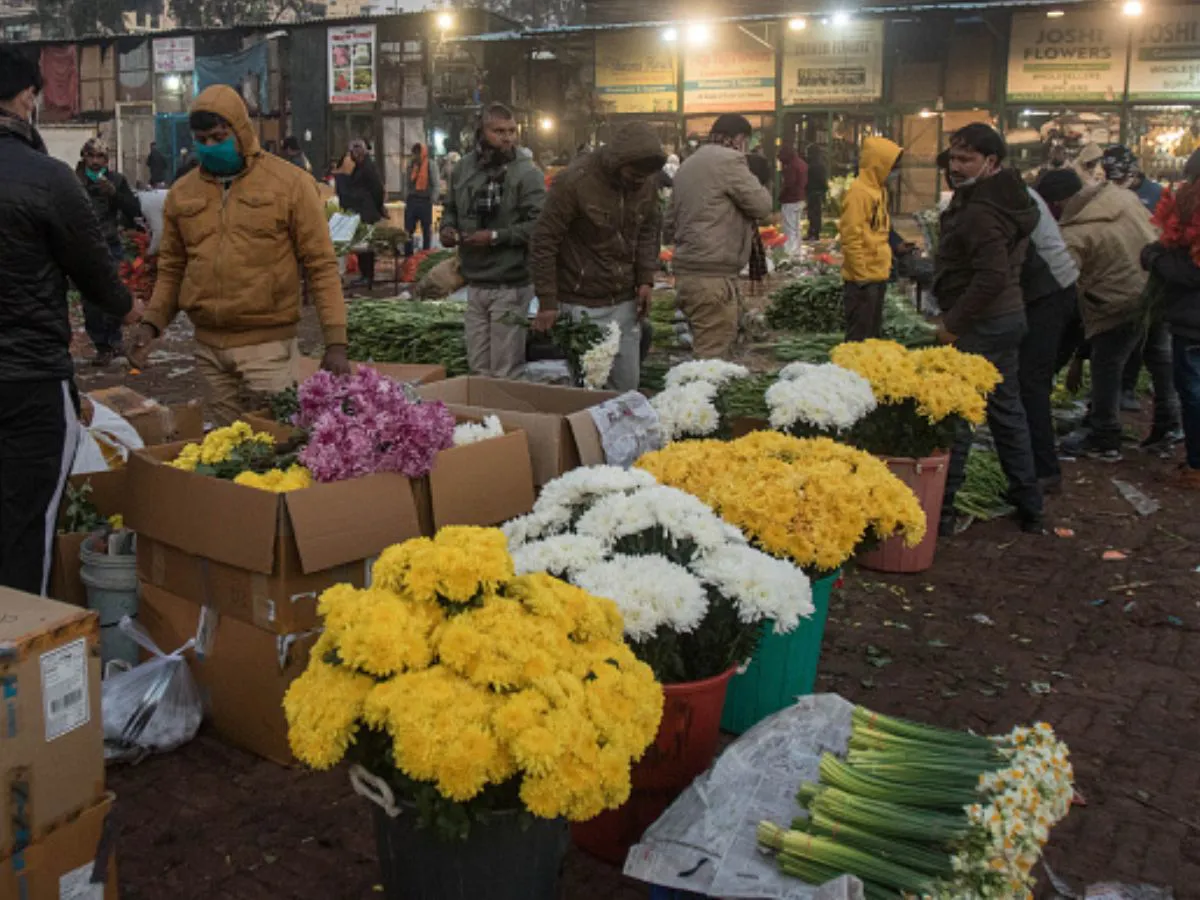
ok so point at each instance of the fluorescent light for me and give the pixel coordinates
(670, 35)
(797, 24)
(926, 114)
(1132, 8)
(841, 19)
(172, 83)
(698, 34)
(546, 124)
(1055, 14)
(445, 21)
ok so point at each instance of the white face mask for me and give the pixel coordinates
(987, 171)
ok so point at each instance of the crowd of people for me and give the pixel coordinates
(1032, 277)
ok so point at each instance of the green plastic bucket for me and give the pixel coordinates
(784, 668)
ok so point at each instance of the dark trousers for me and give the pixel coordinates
(863, 304)
(999, 341)
(39, 432)
(102, 329)
(1047, 319)
(1110, 351)
(813, 204)
(1154, 352)
(366, 266)
(418, 211)
(1187, 383)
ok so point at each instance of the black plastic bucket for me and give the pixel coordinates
(499, 861)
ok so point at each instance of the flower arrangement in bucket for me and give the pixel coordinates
(465, 690)
(924, 396)
(695, 598)
(810, 400)
(701, 398)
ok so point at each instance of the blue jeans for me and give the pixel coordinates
(1187, 383)
(103, 329)
(418, 211)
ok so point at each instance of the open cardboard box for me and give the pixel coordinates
(413, 373)
(51, 737)
(154, 422)
(242, 671)
(108, 496)
(260, 556)
(561, 433)
(63, 863)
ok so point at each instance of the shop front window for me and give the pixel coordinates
(1053, 137)
(847, 132)
(1164, 137)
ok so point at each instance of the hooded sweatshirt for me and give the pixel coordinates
(865, 223)
(232, 249)
(1106, 228)
(714, 210)
(597, 240)
(794, 176)
(984, 239)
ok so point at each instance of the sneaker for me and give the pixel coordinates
(953, 525)
(1087, 448)
(1032, 524)
(1162, 439)
(1130, 402)
(103, 358)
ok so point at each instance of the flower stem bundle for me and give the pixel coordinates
(916, 810)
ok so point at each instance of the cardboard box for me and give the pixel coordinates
(63, 864)
(560, 430)
(108, 495)
(154, 422)
(51, 738)
(261, 556)
(416, 374)
(243, 672)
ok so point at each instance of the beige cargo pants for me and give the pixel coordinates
(713, 307)
(250, 374)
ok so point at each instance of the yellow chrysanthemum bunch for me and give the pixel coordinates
(942, 381)
(217, 446)
(813, 501)
(278, 481)
(478, 677)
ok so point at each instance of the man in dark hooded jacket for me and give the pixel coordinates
(595, 247)
(984, 238)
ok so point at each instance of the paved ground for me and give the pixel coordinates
(1006, 628)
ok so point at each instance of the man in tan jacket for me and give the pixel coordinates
(1105, 228)
(715, 205)
(236, 232)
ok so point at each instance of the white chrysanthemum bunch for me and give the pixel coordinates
(474, 432)
(663, 556)
(597, 361)
(687, 410)
(711, 371)
(825, 397)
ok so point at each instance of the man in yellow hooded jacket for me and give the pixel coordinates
(865, 226)
(237, 231)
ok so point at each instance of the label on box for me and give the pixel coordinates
(65, 694)
(77, 885)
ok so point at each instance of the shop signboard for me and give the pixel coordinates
(174, 54)
(635, 73)
(833, 64)
(1078, 56)
(1166, 54)
(352, 77)
(735, 72)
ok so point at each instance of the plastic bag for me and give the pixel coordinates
(442, 280)
(105, 443)
(152, 708)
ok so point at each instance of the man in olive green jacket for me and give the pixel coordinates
(494, 198)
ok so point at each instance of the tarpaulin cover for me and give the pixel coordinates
(60, 77)
(244, 71)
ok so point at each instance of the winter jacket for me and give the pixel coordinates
(714, 210)
(522, 195)
(50, 234)
(157, 164)
(984, 239)
(430, 191)
(1149, 192)
(818, 174)
(1048, 264)
(760, 167)
(596, 241)
(865, 222)
(1181, 303)
(232, 249)
(361, 191)
(115, 206)
(1106, 228)
(794, 178)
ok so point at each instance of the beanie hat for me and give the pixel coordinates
(1119, 163)
(1058, 185)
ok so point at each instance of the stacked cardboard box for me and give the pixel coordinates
(52, 800)
(242, 569)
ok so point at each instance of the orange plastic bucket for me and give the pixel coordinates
(927, 479)
(685, 747)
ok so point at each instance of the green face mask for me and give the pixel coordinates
(95, 175)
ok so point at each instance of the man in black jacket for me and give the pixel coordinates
(50, 234)
(816, 189)
(116, 205)
(984, 237)
(361, 191)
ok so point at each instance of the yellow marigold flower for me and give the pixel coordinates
(277, 480)
(322, 707)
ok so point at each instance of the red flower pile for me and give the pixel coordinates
(139, 269)
(408, 271)
(1177, 229)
